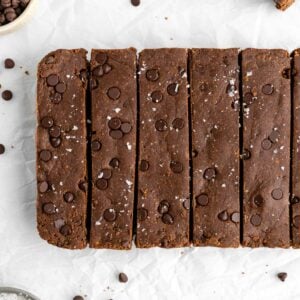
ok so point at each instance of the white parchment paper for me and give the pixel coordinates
(198, 273)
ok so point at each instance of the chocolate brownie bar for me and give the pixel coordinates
(295, 200)
(113, 146)
(214, 77)
(266, 143)
(283, 4)
(163, 176)
(61, 148)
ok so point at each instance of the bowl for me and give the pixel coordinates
(20, 20)
(14, 291)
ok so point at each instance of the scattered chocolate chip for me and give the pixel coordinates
(47, 122)
(277, 194)
(161, 125)
(2, 149)
(142, 214)
(282, 276)
(106, 173)
(274, 136)
(114, 93)
(45, 155)
(49, 208)
(255, 220)
(52, 80)
(9, 63)
(246, 154)
(210, 173)
(114, 123)
(78, 298)
(116, 134)
(167, 219)
(195, 153)
(83, 185)
(96, 145)
(66, 230)
(258, 200)
(186, 204)
(135, 2)
(102, 184)
(163, 207)
(101, 58)
(69, 197)
(152, 74)
(223, 216)
(123, 277)
(106, 68)
(55, 131)
(43, 187)
(61, 87)
(7, 95)
(56, 98)
(126, 128)
(296, 221)
(266, 144)
(173, 89)
(59, 223)
(268, 89)
(98, 71)
(176, 167)
(178, 123)
(235, 217)
(295, 200)
(114, 163)
(156, 96)
(144, 165)
(55, 142)
(110, 215)
(202, 199)
(93, 83)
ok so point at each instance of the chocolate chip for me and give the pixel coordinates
(282, 276)
(144, 165)
(258, 200)
(114, 123)
(78, 298)
(286, 73)
(7, 95)
(43, 187)
(178, 123)
(106, 68)
(101, 58)
(9, 63)
(5, 3)
(96, 145)
(110, 215)
(152, 74)
(223, 216)
(266, 144)
(49, 208)
(167, 219)
(195, 153)
(142, 214)
(246, 154)
(161, 125)
(98, 71)
(268, 89)
(55, 131)
(163, 207)
(277, 194)
(52, 80)
(116, 134)
(106, 173)
(126, 127)
(135, 2)
(186, 204)
(10, 14)
(83, 185)
(69, 197)
(114, 163)
(61, 87)
(173, 89)
(156, 96)
(123, 277)
(45, 155)
(274, 136)
(114, 93)
(235, 217)
(47, 122)
(56, 98)
(176, 167)
(2, 149)
(202, 199)
(66, 230)
(93, 83)
(102, 184)
(59, 223)
(83, 76)
(255, 220)
(296, 221)
(210, 173)
(55, 142)
(295, 200)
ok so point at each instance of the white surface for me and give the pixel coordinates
(54, 274)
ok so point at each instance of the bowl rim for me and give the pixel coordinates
(19, 20)
(11, 290)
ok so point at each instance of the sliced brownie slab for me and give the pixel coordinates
(113, 146)
(214, 77)
(61, 148)
(163, 176)
(266, 142)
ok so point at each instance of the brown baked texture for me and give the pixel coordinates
(214, 75)
(266, 142)
(283, 4)
(61, 148)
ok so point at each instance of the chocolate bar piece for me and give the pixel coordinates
(113, 147)
(61, 148)
(163, 176)
(215, 144)
(266, 142)
(283, 4)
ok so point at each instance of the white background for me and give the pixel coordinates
(54, 274)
